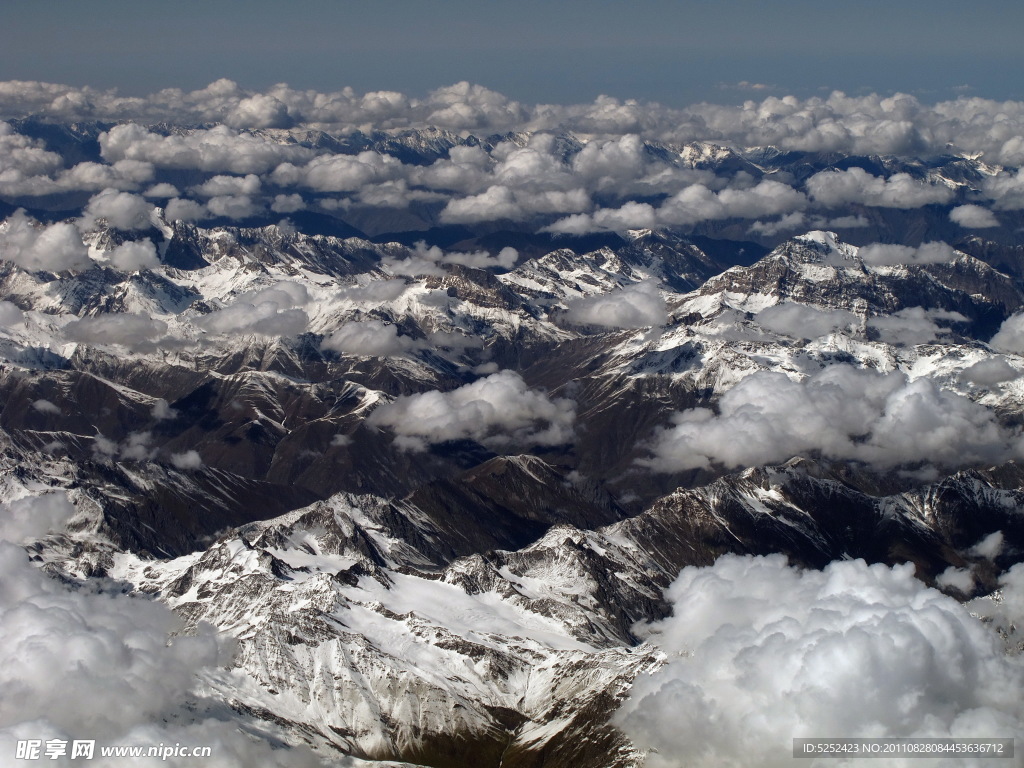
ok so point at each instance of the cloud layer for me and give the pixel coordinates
(88, 665)
(844, 413)
(499, 410)
(761, 653)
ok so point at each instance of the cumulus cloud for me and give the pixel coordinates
(1006, 189)
(273, 311)
(375, 291)
(497, 411)
(53, 248)
(183, 209)
(990, 371)
(497, 202)
(369, 338)
(86, 664)
(960, 579)
(973, 217)
(259, 111)
(162, 410)
(804, 322)
(913, 325)
(465, 105)
(989, 546)
(133, 255)
(135, 447)
(10, 314)
(45, 406)
(130, 330)
(339, 173)
(218, 149)
(187, 460)
(228, 185)
(503, 259)
(162, 189)
(836, 189)
(287, 203)
(426, 259)
(843, 413)
(29, 518)
(881, 254)
(693, 204)
(233, 206)
(1010, 336)
(760, 653)
(22, 158)
(121, 210)
(787, 223)
(636, 306)
(872, 124)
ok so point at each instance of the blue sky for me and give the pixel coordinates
(571, 51)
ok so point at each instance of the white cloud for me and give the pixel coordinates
(30, 518)
(45, 406)
(691, 205)
(218, 149)
(863, 125)
(503, 259)
(846, 222)
(973, 217)
(287, 203)
(162, 410)
(133, 255)
(760, 653)
(374, 292)
(465, 106)
(1006, 189)
(259, 111)
(804, 322)
(122, 210)
(498, 410)
(135, 447)
(497, 202)
(836, 189)
(10, 314)
(228, 185)
(1010, 336)
(636, 306)
(913, 325)
(162, 189)
(273, 311)
(842, 412)
(989, 547)
(960, 579)
(22, 157)
(881, 254)
(87, 664)
(787, 223)
(631, 215)
(990, 371)
(340, 173)
(53, 248)
(181, 209)
(131, 330)
(369, 338)
(187, 460)
(233, 206)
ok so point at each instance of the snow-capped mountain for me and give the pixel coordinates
(429, 469)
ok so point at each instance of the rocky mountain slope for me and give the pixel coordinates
(430, 484)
